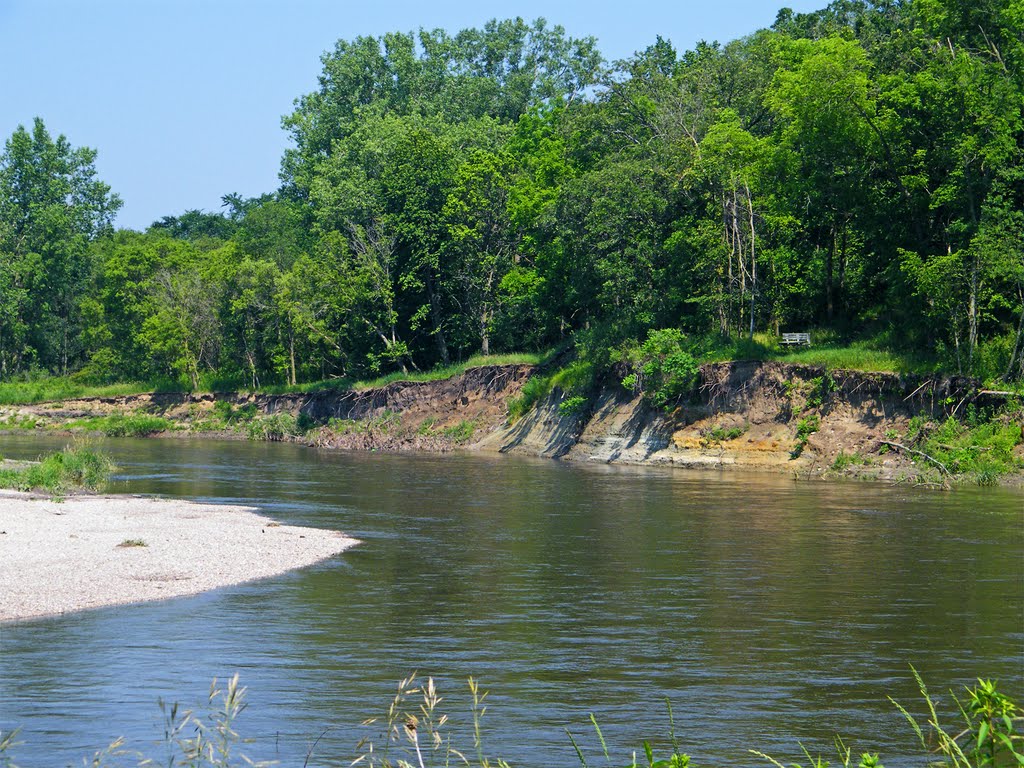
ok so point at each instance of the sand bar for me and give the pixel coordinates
(57, 557)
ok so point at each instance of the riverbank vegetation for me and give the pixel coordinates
(853, 172)
(415, 732)
(73, 469)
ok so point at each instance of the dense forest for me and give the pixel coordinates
(857, 169)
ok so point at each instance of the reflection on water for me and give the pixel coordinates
(768, 611)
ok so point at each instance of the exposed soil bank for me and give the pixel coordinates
(745, 415)
(748, 415)
(91, 551)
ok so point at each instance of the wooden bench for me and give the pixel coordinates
(795, 339)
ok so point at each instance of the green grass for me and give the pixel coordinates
(120, 425)
(385, 422)
(461, 432)
(434, 374)
(979, 449)
(67, 470)
(533, 391)
(277, 427)
(827, 349)
(63, 388)
(447, 372)
(719, 434)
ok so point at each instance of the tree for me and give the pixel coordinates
(52, 206)
(823, 105)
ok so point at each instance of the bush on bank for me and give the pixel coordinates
(68, 470)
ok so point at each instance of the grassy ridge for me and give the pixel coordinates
(64, 388)
(56, 388)
(434, 374)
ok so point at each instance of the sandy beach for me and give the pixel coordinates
(92, 551)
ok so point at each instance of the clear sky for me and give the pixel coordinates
(184, 98)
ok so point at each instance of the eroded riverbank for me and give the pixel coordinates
(749, 415)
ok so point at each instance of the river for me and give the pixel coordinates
(769, 612)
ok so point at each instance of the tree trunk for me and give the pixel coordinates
(291, 357)
(485, 338)
(438, 320)
(1017, 358)
(829, 257)
(753, 261)
(972, 310)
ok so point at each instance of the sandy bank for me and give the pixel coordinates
(72, 555)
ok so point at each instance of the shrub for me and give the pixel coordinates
(70, 469)
(806, 427)
(134, 425)
(663, 369)
(573, 406)
(534, 390)
(273, 428)
(460, 432)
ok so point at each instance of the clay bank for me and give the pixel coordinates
(750, 415)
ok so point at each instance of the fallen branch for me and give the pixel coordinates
(915, 452)
(916, 390)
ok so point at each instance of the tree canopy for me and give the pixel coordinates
(858, 168)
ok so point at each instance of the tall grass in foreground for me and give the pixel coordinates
(74, 468)
(414, 733)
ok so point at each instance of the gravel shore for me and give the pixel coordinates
(89, 551)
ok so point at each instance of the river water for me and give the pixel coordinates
(769, 612)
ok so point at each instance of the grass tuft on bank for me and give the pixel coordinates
(123, 425)
(73, 469)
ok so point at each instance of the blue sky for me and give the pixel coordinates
(183, 99)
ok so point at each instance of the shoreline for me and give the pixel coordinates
(760, 416)
(96, 551)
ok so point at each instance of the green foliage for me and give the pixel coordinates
(979, 447)
(854, 172)
(820, 388)
(72, 469)
(274, 427)
(387, 421)
(461, 432)
(663, 369)
(806, 427)
(991, 737)
(573, 406)
(533, 391)
(844, 461)
(133, 425)
(718, 434)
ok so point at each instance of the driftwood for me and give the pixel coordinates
(925, 384)
(915, 452)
